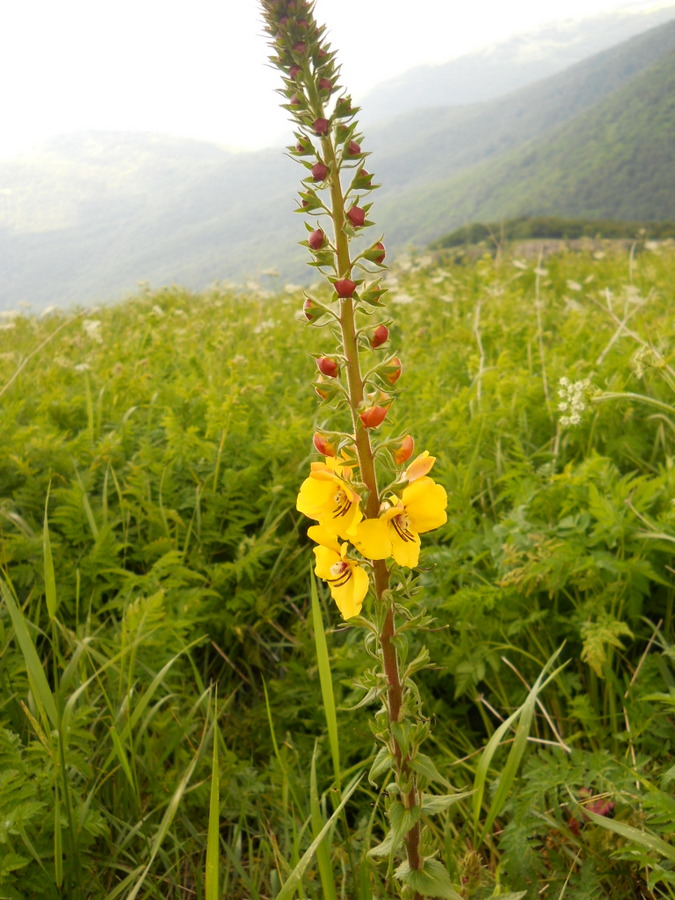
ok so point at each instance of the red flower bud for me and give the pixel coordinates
(373, 416)
(323, 446)
(327, 366)
(353, 149)
(404, 450)
(379, 259)
(295, 100)
(380, 336)
(345, 288)
(316, 239)
(321, 126)
(294, 71)
(300, 47)
(393, 377)
(319, 171)
(356, 216)
(325, 84)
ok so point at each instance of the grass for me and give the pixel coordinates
(178, 710)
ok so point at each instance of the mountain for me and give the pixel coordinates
(84, 218)
(614, 160)
(499, 69)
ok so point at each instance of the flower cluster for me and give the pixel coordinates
(327, 495)
(572, 400)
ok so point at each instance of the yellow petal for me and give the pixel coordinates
(420, 466)
(315, 497)
(325, 560)
(371, 538)
(425, 503)
(321, 535)
(350, 595)
(405, 546)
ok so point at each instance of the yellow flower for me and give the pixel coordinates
(420, 466)
(397, 531)
(347, 580)
(327, 497)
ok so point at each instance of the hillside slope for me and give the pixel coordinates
(616, 160)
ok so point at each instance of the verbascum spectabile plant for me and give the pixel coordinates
(371, 501)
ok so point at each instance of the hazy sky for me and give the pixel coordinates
(198, 68)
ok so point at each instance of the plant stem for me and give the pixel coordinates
(369, 478)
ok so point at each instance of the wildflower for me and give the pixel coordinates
(380, 336)
(420, 466)
(327, 366)
(373, 416)
(347, 580)
(327, 497)
(345, 287)
(404, 450)
(396, 532)
(319, 171)
(356, 216)
(316, 239)
(572, 400)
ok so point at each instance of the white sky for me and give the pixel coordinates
(197, 68)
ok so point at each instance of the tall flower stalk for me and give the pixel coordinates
(369, 501)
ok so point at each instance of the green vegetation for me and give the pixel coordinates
(156, 595)
(527, 228)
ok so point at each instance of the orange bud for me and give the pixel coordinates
(324, 446)
(393, 376)
(323, 394)
(404, 450)
(373, 416)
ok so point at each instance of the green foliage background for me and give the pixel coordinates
(166, 437)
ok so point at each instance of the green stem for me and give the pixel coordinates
(369, 478)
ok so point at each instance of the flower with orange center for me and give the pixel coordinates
(327, 497)
(396, 532)
(347, 580)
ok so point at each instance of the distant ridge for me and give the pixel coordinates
(85, 217)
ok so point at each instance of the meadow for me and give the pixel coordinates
(162, 706)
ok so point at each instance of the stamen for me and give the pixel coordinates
(402, 526)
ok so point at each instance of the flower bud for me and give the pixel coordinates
(380, 336)
(300, 48)
(356, 216)
(294, 71)
(404, 450)
(325, 84)
(327, 366)
(373, 416)
(345, 288)
(319, 171)
(311, 310)
(317, 388)
(354, 149)
(321, 126)
(379, 259)
(316, 239)
(393, 370)
(324, 446)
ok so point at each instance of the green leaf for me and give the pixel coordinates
(436, 803)
(326, 680)
(432, 880)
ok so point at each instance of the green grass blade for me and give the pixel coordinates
(524, 714)
(50, 578)
(168, 816)
(58, 840)
(213, 836)
(644, 838)
(323, 855)
(326, 681)
(36, 674)
(295, 877)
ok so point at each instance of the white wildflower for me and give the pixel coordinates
(573, 400)
(92, 328)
